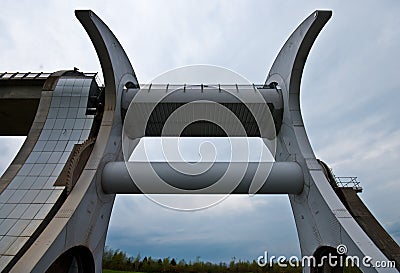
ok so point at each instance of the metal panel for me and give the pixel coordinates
(16, 245)
(5, 195)
(31, 194)
(4, 260)
(17, 196)
(5, 243)
(43, 211)
(18, 211)
(6, 225)
(31, 211)
(6, 209)
(18, 228)
(42, 196)
(31, 227)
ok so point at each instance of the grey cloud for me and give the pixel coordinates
(349, 101)
(196, 233)
(8, 149)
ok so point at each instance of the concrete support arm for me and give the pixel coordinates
(289, 64)
(115, 64)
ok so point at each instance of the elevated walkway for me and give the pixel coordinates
(36, 184)
(346, 189)
(371, 226)
(19, 99)
(20, 94)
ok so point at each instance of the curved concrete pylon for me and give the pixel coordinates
(322, 220)
(115, 64)
(76, 234)
(289, 64)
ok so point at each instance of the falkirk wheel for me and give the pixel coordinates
(57, 195)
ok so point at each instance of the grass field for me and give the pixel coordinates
(117, 271)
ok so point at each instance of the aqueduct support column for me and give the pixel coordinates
(321, 218)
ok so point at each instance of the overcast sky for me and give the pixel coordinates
(350, 96)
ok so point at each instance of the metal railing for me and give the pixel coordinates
(348, 182)
(23, 75)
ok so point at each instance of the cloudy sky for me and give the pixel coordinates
(350, 96)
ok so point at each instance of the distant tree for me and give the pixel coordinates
(173, 262)
(136, 263)
(118, 260)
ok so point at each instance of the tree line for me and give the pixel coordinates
(119, 260)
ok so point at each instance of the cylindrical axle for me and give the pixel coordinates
(202, 178)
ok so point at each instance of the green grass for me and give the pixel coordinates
(117, 271)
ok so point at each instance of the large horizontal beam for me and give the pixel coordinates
(18, 105)
(233, 177)
(153, 108)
